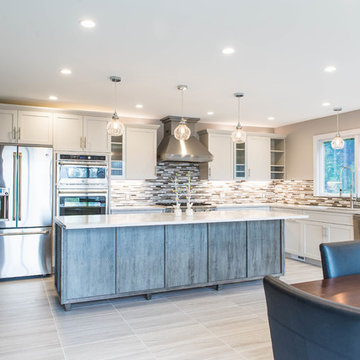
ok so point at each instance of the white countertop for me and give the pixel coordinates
(150, 219)
(249, 205)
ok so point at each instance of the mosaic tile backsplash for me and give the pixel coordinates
(149, 192)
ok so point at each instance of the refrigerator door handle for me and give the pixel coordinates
(6, 206)
(14, 187)
(20, 174)
(25, 233)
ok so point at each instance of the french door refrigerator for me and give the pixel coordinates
(25, 211)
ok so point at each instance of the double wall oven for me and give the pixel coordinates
(82, 184)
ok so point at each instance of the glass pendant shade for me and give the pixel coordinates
(115, 127)
(238, 136)
(182, 132)
(337, 142)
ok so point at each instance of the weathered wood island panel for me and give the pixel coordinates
(108, 256)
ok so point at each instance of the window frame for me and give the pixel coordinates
(318, 160)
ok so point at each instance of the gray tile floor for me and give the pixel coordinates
(200, 324)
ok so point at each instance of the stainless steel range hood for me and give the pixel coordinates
(171, 149)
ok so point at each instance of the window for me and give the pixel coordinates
(330, 164)
(117, 163)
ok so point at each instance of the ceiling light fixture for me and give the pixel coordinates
(139, 106)
(325, 104)
(115, 127)
(228, 51)
(337, 142)
(238, 136)
(182, 131)
(271, 118)
(330, 68)
(53, 97)
(65, 71)
(87, 23)
(210, 113)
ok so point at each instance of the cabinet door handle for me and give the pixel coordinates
(155, 170)
(84, 142)
(14, 186)
(209, 171)
(248, 171)
(81, 142)
(14, 133)
(19, 133)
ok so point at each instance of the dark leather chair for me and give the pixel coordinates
(306, 327)
(340, 259)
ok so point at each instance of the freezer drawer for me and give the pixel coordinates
(25, 252)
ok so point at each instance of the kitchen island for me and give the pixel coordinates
(107, 256)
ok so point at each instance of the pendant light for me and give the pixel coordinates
(337, 142)
(238, 136)
(182, 131)
(115, 127)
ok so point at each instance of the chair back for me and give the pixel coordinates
(340, 259)
(306, 327)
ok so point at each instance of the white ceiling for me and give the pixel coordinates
(281, 48)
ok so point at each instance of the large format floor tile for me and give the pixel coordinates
(198, 324)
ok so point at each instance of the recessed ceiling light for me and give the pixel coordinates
(65, 71)
(53, 97)
(210, 113)
(87, 23)
(139, 106)
(271, 118)
(228, 51)
(330, 68)
(325, 104)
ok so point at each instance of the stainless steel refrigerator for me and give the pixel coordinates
(25, 211)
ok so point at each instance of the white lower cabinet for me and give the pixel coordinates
(303, 237)
(341, 233)
(314, 235)
(294, 237)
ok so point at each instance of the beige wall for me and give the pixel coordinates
(299, 141)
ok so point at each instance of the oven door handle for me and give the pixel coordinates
(72, 163)
(78, 193)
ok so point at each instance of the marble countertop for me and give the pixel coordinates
(151, 219)
(291, 206)
(249, 205)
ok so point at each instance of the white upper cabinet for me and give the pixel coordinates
(68, 132)
(140, 152)
(8, 126)
(220, 145)
(96, 138)
(258, 157)
(35, 127)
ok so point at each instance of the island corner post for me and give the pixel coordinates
(109, 262)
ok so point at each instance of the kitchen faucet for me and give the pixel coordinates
(351, 185)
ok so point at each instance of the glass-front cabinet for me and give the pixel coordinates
(117, 156)
(240, 166)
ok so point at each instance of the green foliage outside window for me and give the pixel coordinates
(334, 161)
